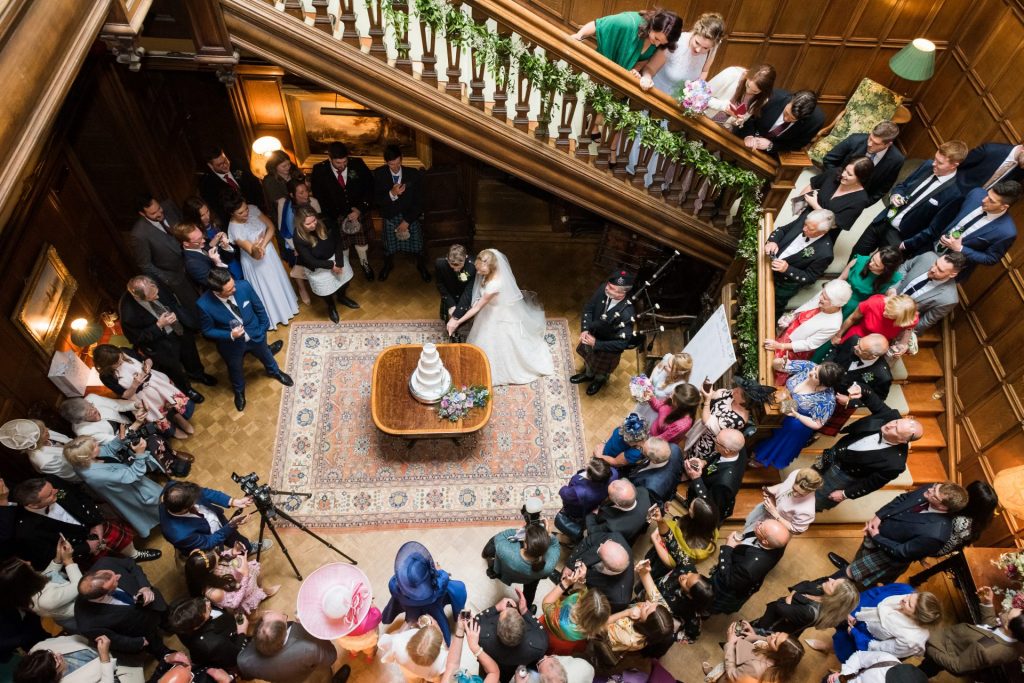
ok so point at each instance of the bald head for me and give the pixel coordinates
(902, 430)
(622, 493)
(730, 441)
(772, 534)
(613, 556)
(871, 346)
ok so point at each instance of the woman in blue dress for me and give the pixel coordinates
(814, 399)
(419, 587)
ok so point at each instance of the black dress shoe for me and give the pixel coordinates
(283, 378)
(239, 401)
(424, 274)
(342, 674)
(276, 346)
(195, 396)
(147, 555)
(368, 271)
(595, 386)
(205, 378)
(838, 561)
(332, 313)
(384, 272)
(345, 301)
(580, 378)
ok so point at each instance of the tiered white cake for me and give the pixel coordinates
(431, 380)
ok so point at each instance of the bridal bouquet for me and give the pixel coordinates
(641, 388)
(695, 97)
(457, 403)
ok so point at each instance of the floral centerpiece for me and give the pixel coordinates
(1012, 565)
(457, 403)
(695, 97)
(641, 388)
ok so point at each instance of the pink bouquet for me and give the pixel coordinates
(457, 403)
(695, 97)
(641, 388)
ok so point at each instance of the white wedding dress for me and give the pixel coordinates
(510, 329)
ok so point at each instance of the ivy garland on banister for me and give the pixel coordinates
(550, 76)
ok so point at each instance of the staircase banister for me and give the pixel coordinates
(765, 309)
(602, 70)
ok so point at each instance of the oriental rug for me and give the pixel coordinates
(361, 478)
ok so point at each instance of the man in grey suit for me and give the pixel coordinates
(282, 651)
(157, 253)
(930, 280)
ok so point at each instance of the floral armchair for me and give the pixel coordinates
(869, 105)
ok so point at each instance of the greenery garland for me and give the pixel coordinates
(550, 77)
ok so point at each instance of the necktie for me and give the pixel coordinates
(957, 231)
(1003, 169)
(873, 157)
(341, 179)
(395, 179)
(166, 226)
(920, 507)
(909, 291)
(234, 308)
(778, 130)
(231, 181)
(123, 595)
(160, 309)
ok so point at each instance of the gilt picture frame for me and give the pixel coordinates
(363, 130)
(45, 300)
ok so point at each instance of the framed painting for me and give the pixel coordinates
(44, 302)
(318, 118)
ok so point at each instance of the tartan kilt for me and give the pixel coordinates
(393, 245)
(837, 421)
(359, 239)
(873, 565)
(117, 536)
(598, 362)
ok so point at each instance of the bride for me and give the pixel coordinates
(508, 328)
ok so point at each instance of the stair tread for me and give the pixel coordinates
(929, 337)
(926, 467)
(933, 437)
(923, 365)
(919, 398)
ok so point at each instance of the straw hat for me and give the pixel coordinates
(333, 600)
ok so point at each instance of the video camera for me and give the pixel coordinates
(260, 494)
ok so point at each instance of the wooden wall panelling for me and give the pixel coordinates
(259, 106)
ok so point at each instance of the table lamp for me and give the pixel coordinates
(266, 144)
(1009, 486)
(915, 62)
(84, 333)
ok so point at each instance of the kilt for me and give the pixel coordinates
(598, 362)
(117, 536)
(393, 245)
(872, 565)
(837, 421)
(359, 239)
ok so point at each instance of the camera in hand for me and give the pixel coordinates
(260, 493)
(133, 436)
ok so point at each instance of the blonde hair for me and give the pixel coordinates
(928, 610)
(901, 309)
(709, 25)
(487, 256)
(835, 607)
(79, 451)
(809, 480)
(682, 364)
(425, 645)
(955, 151)
(591, 612)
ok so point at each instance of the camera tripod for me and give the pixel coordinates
(269, 510)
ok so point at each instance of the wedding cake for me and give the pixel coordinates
(431, 380)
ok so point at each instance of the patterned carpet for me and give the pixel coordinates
(360, 478)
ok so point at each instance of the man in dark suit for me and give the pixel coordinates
(454, 275)
(232, 315)
(982, 231)
(185, 511)
(212, 641)
(156, 253)
(877, 146)
(989, 164)
(219, 178)
(863, 364)
(509, 644)
(115, 599)
(398, 195)
(45, 512)
(788, 122)
(160, 329)
(872, 452)
(606, 330)
(930, 280)
(344, 187)
(606, 555)
(915, 525)
(744, 562)
(718, 480)
(200, 257)
(661, 474)
(624, 512)
(916, 201)
(800, 254)
(282, 651)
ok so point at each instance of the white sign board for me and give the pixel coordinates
(711, 349)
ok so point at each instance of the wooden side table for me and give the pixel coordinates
(397, 413)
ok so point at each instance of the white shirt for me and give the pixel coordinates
(862, 659)
(206, 513)
(1009, 167)
(797, 245)
(816, 331)
(916, 199)
(894, 631)
(977, 225)
(859, 363)
(918, 293)
(878, 156)
(50, 459)
(56, 511)
(231, 298)
(342, 174)
(871, 442)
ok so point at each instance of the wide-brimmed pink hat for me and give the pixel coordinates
(333, 600)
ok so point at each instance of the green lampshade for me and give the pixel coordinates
(915, 62)
(85, 333)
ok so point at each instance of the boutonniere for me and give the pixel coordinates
(868, 377)
(237, 174)
(710, 469)
(807, 252)
(61, 495)
(464, 276)
(352, 174)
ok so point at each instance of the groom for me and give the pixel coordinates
(607, 329)
(454, 275)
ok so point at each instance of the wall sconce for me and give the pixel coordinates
(916, 61)
(266, 145)
(84, 333)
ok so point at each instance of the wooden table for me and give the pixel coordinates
(396, 412)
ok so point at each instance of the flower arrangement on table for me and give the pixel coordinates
(1012, 565)
(641, 388)
(457, 403)
(695, 97)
